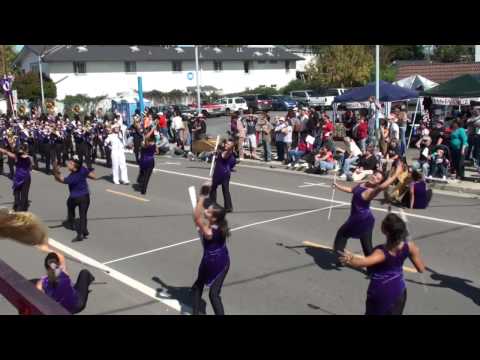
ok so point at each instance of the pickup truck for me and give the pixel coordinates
(210, 109)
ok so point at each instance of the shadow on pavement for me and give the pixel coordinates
(462, 286)
(119, 310)
(182, 294)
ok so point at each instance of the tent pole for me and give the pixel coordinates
(413, 125)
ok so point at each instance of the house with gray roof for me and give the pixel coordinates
(97, 70)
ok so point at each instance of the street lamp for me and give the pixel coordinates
(199, 105)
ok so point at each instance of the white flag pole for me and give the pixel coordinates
(214, 156)
(333, 196)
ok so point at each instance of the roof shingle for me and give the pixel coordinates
(160, 53)
(438, 72)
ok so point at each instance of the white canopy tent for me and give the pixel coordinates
(416, 82)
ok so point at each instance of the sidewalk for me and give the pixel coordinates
(470, 186)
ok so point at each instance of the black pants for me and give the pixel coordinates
(136, 149)
(97, 144)
(458, 163)
(84, 154)
(20, 196)
(11, 167)
(108, 155)
(280, 150)
(85, 278)
(226, 193)
(68, 153)
(33, 151)
(48, 153)
(214, 294)
(341, 241)
(83, 202)
(144, 178)
(58, 152)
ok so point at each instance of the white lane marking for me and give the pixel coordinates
(309, 184)
(137, 285)
(232, 230)
(446, 221)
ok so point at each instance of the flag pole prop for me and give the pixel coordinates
(212, 167)
(403, 216)
(333, 196)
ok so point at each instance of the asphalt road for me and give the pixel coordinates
(150, 246)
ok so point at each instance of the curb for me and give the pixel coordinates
(436, 187)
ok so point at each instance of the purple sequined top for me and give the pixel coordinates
(63, 293)
(387, 283)
(147, 159)
(223, 167)
(22, 173)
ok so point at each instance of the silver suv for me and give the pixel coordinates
(308, 98)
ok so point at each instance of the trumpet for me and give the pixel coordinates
(12, 138)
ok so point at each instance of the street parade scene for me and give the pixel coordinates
(239, 180)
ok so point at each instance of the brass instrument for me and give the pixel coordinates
(50, 105)
(77, 109)
(11, 137)
(23, 110)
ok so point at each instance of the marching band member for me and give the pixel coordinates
(119, 163)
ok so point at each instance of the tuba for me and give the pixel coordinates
(11, 137)
(23, 110)
(77, 109)
(50, 105)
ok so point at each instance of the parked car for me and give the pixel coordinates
(234, 104)
(282, 102)
(210, 109)
(330, 94)
(308, 98)
(258, 102)
(184, 109)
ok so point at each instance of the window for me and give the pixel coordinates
(130, 67)
(34, 66)
(287, 66)
(79, 67)
(217, 65)
(246, 67)
(239, 101)
(176, 66)
(262, 62)
(273, 61)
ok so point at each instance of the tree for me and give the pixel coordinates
(294, 85)
(453, 53)
(8, 53)
(265, 90)
(340, 66)
(28, 87)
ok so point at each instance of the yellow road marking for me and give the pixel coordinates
(315, 245)
(127, 195)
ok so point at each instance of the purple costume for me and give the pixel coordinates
(147, 159)
(361, 219)
(387, 284)
(22, 173)
(64, 293)
(421, 200)
(223, 168)
(215, 258)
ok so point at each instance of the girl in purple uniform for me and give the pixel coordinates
(216, 260)
(224, 163)
(361, 222)
(22, 177)
(79, 194)
(146, 162)
(58, 286)
(387, 293)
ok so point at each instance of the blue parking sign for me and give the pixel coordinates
(190, 76)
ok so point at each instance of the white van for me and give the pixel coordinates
(234, 104)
